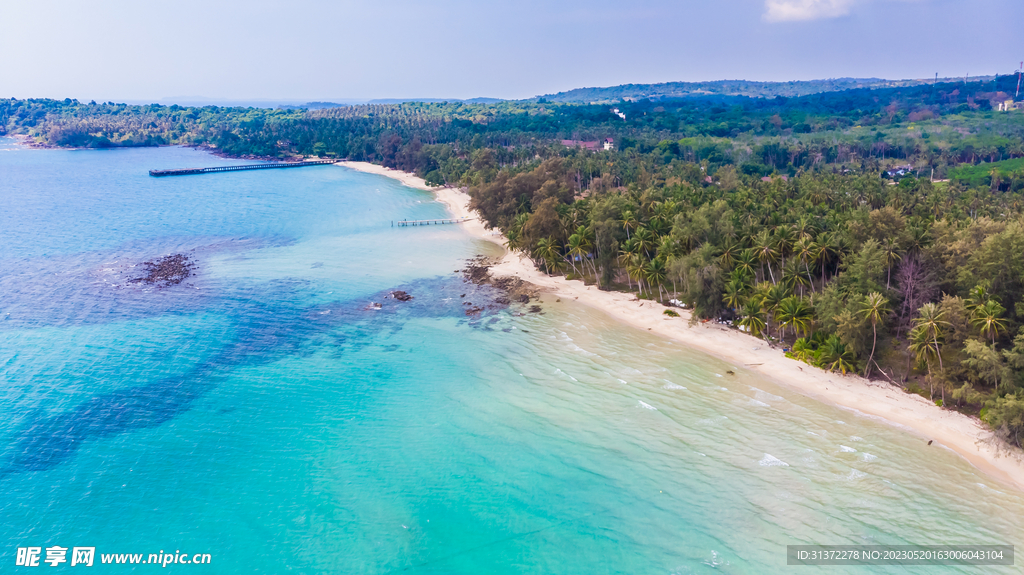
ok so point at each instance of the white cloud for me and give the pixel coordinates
(802, 10)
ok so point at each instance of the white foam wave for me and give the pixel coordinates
(672, 386)
(868, 457)
(648, 406)
(712, 420)
(575, 347)
(770, 460)
(855, 438)
(757, 403)
(623, 382)
(565, 374)
(765, 396)
(846, 449)
(855, 475)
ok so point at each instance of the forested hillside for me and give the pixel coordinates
(878, 231)
(670, 90)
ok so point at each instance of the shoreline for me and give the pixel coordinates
(962, 434)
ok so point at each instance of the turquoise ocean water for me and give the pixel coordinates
(259, 412)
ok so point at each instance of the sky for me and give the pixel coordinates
(320, 50)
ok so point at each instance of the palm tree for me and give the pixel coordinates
(829, 248)
(924, 349)
(547, 252)
(655, 272)
(770, 296)
(753, 319)
(514, 240)
(919, 238)
(793, 278)
(629, 221)
(635, 269)
(729, 253)
(874, 309)
(745, 263)
(891, 250)
(987, 318)
(576, 249)
(784, 239)
(976, 298)
(733, 297)
(796, 313)
(804, 228)
(802, 350)
(804, 251)
(587, 243)
(764, 248)
(645, 241)
(835, 356)
(803, 317)
(786, 313)
(933, 320)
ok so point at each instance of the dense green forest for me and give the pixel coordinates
(877, 231)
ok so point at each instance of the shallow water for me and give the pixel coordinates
(260, 413)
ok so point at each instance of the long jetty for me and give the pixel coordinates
(438, 222)
(276, 165)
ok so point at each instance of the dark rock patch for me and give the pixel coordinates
(401, 295)
(166, 271)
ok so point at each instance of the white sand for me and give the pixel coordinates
(964, 435)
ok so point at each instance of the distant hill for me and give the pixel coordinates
(386, 101)
(435, 100)
(674, 90)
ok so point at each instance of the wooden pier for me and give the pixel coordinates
(190, 171)
(404, 223)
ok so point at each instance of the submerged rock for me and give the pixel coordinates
(401, 295)
(166, 271)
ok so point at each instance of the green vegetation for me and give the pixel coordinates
(669, 90)
(772, 215)
(1007, 173)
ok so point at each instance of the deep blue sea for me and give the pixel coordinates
(262, 412)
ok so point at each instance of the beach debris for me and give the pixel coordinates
(374, 306)
(401, 296)
(534, 309)
(166, 271)
(731, 372)
(523, 298)
(930, 441)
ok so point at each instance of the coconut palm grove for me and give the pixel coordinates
(877, 231)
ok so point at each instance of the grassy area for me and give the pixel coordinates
(979, 175)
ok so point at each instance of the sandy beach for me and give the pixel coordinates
(962, 434)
